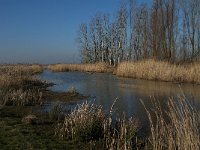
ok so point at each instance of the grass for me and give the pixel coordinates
(177, 128)
(55, 112)
(87, 126)
(19, 86)
(146, 69)
(87, 122)
(98, 67)
(160, 70)
(14, 134)
(18, 75)
(21, 69)
(22, 97)
(83, 123)
(21, 125)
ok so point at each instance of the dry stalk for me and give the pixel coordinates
(177, 128)
(160, 70)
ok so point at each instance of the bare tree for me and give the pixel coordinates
(165, 30)
(84, 43)
(190, 10)
(121, 22)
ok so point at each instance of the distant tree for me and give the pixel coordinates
(166, 30)
(84, 43)
(190, 10)
(121, 23)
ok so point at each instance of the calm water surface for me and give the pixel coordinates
(105, 88)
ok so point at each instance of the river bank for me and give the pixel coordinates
(147, 70)
(23, 122)
(25, 125)
(97, 67)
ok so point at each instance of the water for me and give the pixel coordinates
(105, 88)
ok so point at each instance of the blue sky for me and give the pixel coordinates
(44, 31)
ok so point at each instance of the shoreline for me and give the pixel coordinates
(145, 70)
(87, 124)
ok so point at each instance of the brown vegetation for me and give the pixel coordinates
(21, 69)
(160, 70)
(97, 67)
(13, 75)
(22, 97)
(175, 129)
(147, 69)
(18, 86)
(89, 122)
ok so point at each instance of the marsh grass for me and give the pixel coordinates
(83, 123)
(15, 134)
(146, 69)
(88, 122)
(160, 70)
(56, 112)
(98, 67)
(123, 135)
(22, 97)
(21, 69)
(18, 75)
(177, 128)
(19, 86)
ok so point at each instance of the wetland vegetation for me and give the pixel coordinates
(24, 123)
(146, 69)
(158, 42)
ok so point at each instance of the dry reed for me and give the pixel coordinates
(176, 128)
(88, 122)
(160, 70)
(17, 75)
(18, 86)
(98, 67)
(21, 69)
(83, 123)
(22, 97)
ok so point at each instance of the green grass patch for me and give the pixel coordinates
(16, 135)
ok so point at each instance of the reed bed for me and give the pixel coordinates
(18, 75)
(19, 86)
(21, 69)
(98, 67)
(22, 97)
(10, 81)
(177, 128)
(160, 70)
(88, 122)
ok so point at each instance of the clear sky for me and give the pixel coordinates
(44, 31)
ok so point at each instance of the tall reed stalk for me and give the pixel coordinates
(18, 86)
(177, 128)
(98, 67)
(87, 122)
(160, 70)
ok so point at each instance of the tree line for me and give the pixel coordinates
(164, 30)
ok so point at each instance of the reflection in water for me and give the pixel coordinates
(105, 88)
